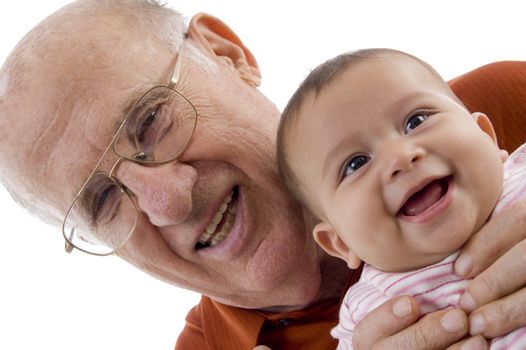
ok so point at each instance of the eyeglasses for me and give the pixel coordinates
(155, 130)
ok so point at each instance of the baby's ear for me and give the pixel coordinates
(331, 242)
(485, 124)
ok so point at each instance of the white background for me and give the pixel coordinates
(51, 300)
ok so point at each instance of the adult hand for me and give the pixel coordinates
(495, 258)
(394, 325)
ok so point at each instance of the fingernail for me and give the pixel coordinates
(402, 308)
(463, 265)
(467, 302)
(453, 321)
(474, 344)
(477, 324)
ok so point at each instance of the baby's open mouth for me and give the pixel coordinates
(425, 198)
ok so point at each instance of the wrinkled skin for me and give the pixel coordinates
(66, 101)
(267, 260)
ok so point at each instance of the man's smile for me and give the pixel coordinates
(219, 228)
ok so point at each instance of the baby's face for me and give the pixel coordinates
(400, 170)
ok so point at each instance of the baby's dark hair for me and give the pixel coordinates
(314, 83)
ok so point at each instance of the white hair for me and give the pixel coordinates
(154, 17)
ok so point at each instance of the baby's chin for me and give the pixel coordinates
(412, 261)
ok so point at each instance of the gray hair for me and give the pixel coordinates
(166, 25)
(157, 17)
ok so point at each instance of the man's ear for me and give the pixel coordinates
(330, 241)
(218, 39)
(485, 124)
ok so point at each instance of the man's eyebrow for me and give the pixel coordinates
(135, 94)
(147, 100)
(132, 99)
(86, 204)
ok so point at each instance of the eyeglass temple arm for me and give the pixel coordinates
(178, 64)
(68, 247)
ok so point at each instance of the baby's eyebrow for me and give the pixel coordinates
(406, 99)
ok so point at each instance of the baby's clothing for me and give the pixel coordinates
(434, 287)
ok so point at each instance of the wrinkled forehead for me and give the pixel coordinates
(118, 73)
(70, 95)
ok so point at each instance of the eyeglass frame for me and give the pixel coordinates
(172, 85)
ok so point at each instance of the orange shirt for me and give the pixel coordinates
(215, 326)
(497, 89)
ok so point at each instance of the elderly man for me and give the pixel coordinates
(147, 139)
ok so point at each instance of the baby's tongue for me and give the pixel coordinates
(425, 198)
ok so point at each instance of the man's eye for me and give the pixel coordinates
(104, 204)
(354, 164)
(415, 120)
(143, 128)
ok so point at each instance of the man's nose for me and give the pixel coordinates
(163, 192)
(401, 157)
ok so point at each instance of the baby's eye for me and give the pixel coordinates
(414, 120)
(354, 164)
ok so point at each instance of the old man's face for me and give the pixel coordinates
(67, 112)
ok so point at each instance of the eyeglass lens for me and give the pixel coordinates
(156, 130)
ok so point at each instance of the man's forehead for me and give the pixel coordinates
(4, 83)
(73, 79)
(62, 134)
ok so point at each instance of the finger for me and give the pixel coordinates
(499, 317)
(474, 343)
(434, 331)
(389, 318)
(497, 236)
(495, 282)
(261, 347)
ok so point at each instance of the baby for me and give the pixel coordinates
(398, 174)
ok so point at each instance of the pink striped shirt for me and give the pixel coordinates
(434, 287)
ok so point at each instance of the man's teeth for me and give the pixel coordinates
(208, 238)
(221, 235)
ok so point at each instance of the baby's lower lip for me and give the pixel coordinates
(428, 202)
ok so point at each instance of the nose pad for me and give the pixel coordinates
(162, 192)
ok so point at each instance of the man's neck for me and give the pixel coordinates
(334, 277)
